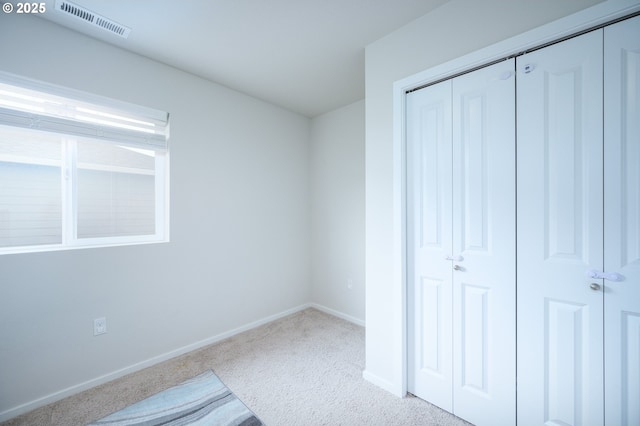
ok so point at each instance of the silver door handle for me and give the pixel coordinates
(611, 276)
(595, 287)
(457, 268)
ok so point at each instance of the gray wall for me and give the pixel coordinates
(337, 210)
(240, 227)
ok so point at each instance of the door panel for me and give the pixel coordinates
(565, 159)
(484, 238)
(622, 222)
(560, 204)
(431, 352)
(566, 346)
(473, 182)
(429, 237)
(474, 338)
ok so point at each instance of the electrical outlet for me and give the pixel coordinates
(99, 326)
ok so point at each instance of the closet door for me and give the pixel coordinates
(461, 239)
(429, 238)
(622, 222)
(560, 234)
(484, 287)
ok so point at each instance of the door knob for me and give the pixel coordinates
(595, 286)
(457, 267)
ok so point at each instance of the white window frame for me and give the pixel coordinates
(72, 131)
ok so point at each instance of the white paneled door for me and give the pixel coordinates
(430, 294)
(578, 236)
(622, 222)
(560, 234)
(461, 236)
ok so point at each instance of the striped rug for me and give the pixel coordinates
(203, 400)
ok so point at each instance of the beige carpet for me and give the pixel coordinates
(305, 369)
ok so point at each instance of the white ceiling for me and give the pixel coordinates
(304, 55)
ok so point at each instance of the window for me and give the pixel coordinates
(77, 170)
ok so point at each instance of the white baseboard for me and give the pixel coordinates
(56, 396)
(382, 383)
(337, 314)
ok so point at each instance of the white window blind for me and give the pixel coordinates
(31, 189)
(79, 170)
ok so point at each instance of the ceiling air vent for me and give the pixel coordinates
(92, 18)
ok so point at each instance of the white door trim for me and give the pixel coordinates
(592, 17)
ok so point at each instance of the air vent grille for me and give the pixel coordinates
(111, 26)
(92, 18)
(77, 11)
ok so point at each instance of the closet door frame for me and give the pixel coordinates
(587, 19)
